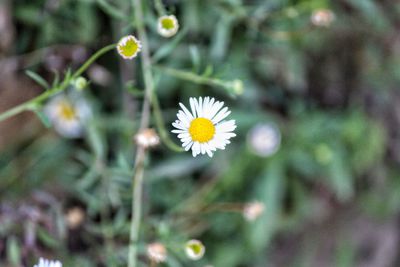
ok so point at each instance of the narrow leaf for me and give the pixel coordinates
(37, 78)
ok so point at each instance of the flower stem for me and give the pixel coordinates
(34, 102)
(190, 76)
(161, 126)
(137, 179)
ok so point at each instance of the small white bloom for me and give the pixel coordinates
(128, 47)
(253, 210)
(203, 129)
(167, 26)
(147, 138)
(322, 17)
(48, 263)
(195, 249)
(157, 252)
(67, 115)
(264, 139)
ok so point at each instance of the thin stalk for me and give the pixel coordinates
(34, 102)
(160, 8)
(192, 77)
(161, 126)
(137, 179)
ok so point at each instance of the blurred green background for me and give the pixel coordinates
(331, 189)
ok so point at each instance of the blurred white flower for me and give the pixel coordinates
(147, 138)
(156, 252)
(253, 210)
(167, 26)
(322, 17)
(128, 47)
(68, 115)
(194, 249)
(48, 263)
(203, 129)
(264, 139)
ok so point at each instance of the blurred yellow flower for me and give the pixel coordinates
(128, 47)
(67, 115)
(167, 26)
(195, 249)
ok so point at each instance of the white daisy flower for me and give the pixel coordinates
(128, 47)
(203, 129)
(264, 139)
(167, 26)
(48, 263)
(195, 249)
(68, 116)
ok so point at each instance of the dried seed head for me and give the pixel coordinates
(74, 217)
(156, 252)
(322, 17)
(147, 138)
(253, 210)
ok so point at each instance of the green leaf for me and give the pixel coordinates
(13, 251)
(269, 190)
(46, 238)
(37, 78)
(43, 117)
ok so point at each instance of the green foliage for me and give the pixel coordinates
(330, 90)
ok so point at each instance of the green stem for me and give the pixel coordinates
(160, 8)
(190, 76)
(34, 102)
(161, 126)
(138, 171)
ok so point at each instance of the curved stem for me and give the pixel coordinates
(161, 126)
(138, 171)
(32, 103)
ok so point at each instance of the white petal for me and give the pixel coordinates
(184, 135)
(188, 146)
(221, 115)
(200, 107)
(179, 125)
(185, 120)
(193, 102)
(187, 112)
(179, 131)
(215, 108)
(225, 126)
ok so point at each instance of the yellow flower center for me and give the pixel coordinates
(202, 130)
(66, 111)
(168, 23)
(130, 48)
(196, 248)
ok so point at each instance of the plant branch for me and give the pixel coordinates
(145, 120)
(36, 101)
